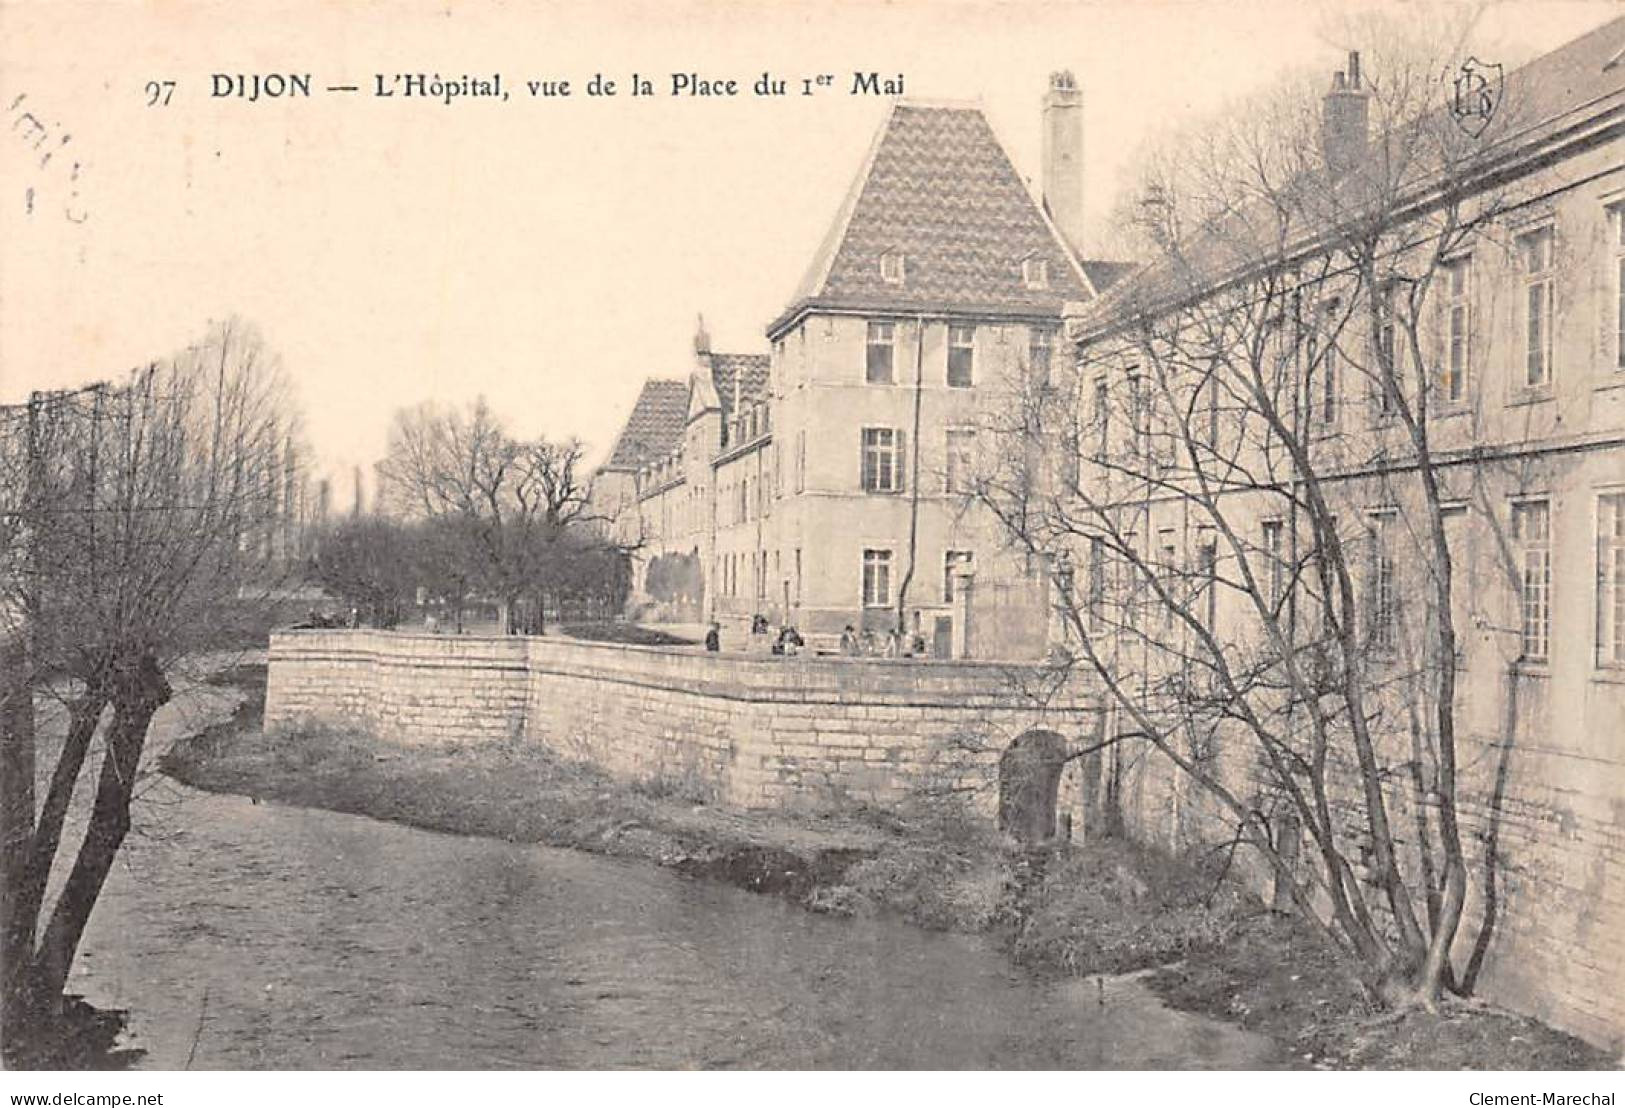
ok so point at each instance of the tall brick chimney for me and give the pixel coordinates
(1345, 120)
(1063, 156)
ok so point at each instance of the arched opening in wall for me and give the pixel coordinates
(1029, 781)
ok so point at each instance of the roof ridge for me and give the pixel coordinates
(972, 104)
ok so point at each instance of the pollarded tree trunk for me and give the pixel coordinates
(26, 890)
(139, 691)
(16, 833)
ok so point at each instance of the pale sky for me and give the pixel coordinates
(550, 254)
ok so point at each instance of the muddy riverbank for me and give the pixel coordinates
(1069, 913)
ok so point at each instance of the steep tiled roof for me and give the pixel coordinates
(655, 427)
(939, 190)
(749, 372)
(1103, 275)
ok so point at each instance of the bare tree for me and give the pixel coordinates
(1247, 498)
(375, 564)
(138, 517)
(512, 499)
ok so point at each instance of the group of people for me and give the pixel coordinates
(854, 643)
(867, 644)
(788, 642)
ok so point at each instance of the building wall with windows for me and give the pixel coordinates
(870, 425)
(1526, 390)
(847, 501)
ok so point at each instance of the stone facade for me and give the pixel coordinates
(1532, 426)
(753, 733)
(835, 488)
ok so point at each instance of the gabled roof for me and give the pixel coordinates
(655, 427)
(746, 372)
(938, 189)
(654, 430)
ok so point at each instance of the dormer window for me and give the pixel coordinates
(891, 267)
(1035, 272)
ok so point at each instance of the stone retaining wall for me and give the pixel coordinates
(752, 732)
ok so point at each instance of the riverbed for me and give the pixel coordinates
(242, 935)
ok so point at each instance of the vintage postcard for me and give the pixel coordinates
(727, 535)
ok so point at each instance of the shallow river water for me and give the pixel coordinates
(242, 935)
(250, 935)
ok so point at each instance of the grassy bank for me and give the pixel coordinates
(623, 632)
(1102, 909)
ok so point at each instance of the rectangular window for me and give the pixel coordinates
(1311, 378)
(882, 460)
(1381, 595)
(798, 576)
(1319, 577)
(878, 361)
(1129, 580)
(1066, 465)
(1136, 413)
(1040, 347)
(801, 461)
(1102, 418)
(1167, 572)
(1329, 368)
(1390, 353)
(891, 267)
(1535, 259)
(1213, 409)
(951, 561)
(961, 458)
(1457, 327)
(961, 356)
(877, 578)
(1531, 537)
(1611, 579)
(1320, 382)
(1275, 567)
(1207, 566)
(1616, 237)
(1095, 598)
